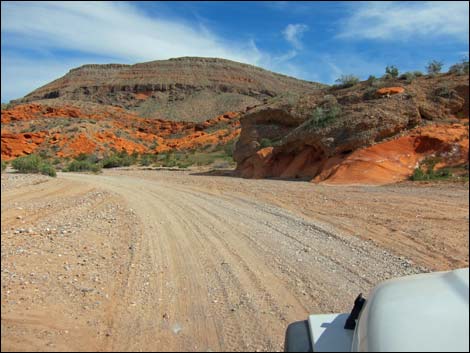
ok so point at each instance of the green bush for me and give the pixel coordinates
(265, 142)
(89, 158)
(83, 166)
(4, 165)
(146, 160)
(345, 81)
(27, 164)
(392, 71)
(407, 76)
(33, 164)
(371, 78)
(119, 159)
(434, 67)
(47, 169)
(429, 173)
(460, 68)
(323, 116)
(370, 93)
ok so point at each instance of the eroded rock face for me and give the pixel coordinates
(67, 131)
(347, 136)
(188, 89)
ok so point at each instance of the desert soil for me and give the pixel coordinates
(166, 260)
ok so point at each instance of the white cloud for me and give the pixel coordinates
(117, 30)
(103, 32)
(404, 20)
(21, 75)
(293, 33)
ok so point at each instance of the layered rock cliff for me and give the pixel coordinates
(314, 136)
(188, 88)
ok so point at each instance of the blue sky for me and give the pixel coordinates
(318, 41)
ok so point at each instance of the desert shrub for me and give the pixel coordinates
(229, 148)
(345, 81)
(370, 93)
(431, 174)
(371, 79)
(407, 76)
(146, 160)
(392, 71)
(4, 165)
(265, 142)
(27, 164)
(111, 161)
(323, 116)
(33, 164)
(434, 67)
(119, 159)
(426, 171)
(444, 91)
(460, 68)
(417, 73)
(91, 158)
(6, 106)
(83, 166)
(47, 169)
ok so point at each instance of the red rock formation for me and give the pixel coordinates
(17, 145)
(395, 160)
(365, 139)
(390, 90)
(104, 128)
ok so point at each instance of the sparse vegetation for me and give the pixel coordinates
(408, 77)
(392, 71)
(370, 93)
(444, 91)
(154, 145)
(426, 171)
(209, 155)
(265, 142)
(119, 159)
(83, 166)
(322, 117)
(345, 81)
(434, 67)
(371, 79)
(5, 106)
(460, 68)
(4, 166)
(146, 159)
(33, 164)
(84, 162)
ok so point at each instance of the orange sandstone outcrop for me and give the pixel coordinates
(390, 90)
(347, 135)
(17, 145)
(395, 160)
(103, 128)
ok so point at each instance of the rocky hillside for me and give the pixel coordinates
(376, 131)
(188, 88)
(68, 131)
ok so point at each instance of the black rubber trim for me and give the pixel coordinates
(351, 321)
(298, 337)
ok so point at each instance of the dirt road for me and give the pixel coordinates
(179, 267)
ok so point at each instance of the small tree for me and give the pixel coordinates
(434, 67)
(392, 71)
